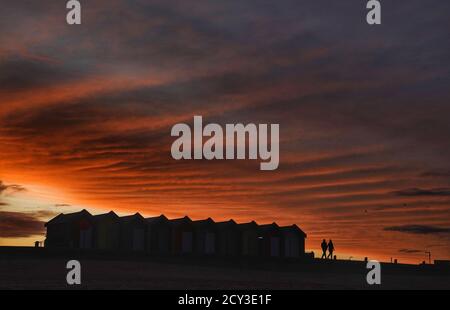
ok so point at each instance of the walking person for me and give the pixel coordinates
(324, 248)
(330, 249)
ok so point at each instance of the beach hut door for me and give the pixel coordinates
(209, 243)
(274, 246)
(138, 239)
(186, 242)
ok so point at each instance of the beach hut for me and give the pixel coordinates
(132, 233)
(228, 238)
(106, 231)
(158, 235)
(205, 237)
(182, 235)
(249, 236)
(270, 237)
(294, 241)
(73, 230)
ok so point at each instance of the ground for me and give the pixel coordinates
(50, 273)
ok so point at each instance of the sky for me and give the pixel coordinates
(86, 113)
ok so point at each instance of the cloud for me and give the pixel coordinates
(423, 192)
(88, 112)
(3, 187)
(419, 229)
(20, 73)
(62, 205)
(12, 188)
(20, 225)
(436, 174)
(410, 251)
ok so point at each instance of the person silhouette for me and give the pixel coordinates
(324, 248)
(330, 249)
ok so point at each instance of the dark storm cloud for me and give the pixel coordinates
(120, 105)
(154, 33)
(436, 174)
(266, 50)
(18, 225)
(127, 140)
(21, 73)
(22, 224)
(361, 108)
(419, 229)
(417, 192)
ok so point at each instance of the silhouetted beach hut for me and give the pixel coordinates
(182, 235)
(228, 238)
(249, 238)
(73, 230)
(205, 236)
(106, 231)
(270, 237)
(158, 235)
(132, 232)
(294, 241)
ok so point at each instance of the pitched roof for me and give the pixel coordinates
(129, 218)
(269, 226)
(250, 225)
(294, 228)
(65, 218)
(204, 223)
(226, 224)
(103, 216)
(181, 220)
(156, 219)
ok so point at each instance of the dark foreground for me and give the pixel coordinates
(27, 268)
